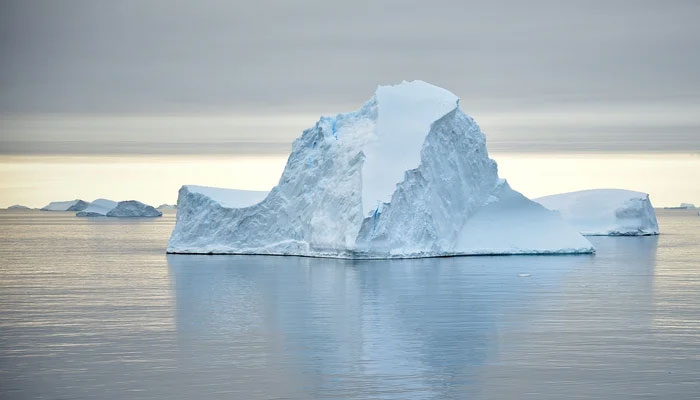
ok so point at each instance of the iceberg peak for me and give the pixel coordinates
(405, 113)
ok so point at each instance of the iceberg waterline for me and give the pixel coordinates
(408, 175)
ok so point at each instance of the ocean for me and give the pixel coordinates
(94, 308)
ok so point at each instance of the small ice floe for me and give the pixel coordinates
(524, 275)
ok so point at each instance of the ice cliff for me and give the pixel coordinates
(598, 212)
(70, 205)
(407, 175)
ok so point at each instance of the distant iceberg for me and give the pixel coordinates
(110, 208)
(683, 206)
(406, 176)
(599, 212)
(166, 207)
(98, 208)
(133, 208)
(70, 205)
(18, 207)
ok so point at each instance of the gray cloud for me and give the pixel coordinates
(325, 56)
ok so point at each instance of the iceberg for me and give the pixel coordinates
(165, 206)
(98, 208)
(133, 208)
(18, 207)
(605, 212)
(407, 175)
(683, 206)
(110, 208)
(70, 205)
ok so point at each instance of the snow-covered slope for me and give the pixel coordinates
(98, 208)
(509, 223)
(605, 211)
(70, 205)
(133, 208)
(407, 175)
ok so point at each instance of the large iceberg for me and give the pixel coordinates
(133, 208)
(407, 175)
(70, 205)
(599, 212)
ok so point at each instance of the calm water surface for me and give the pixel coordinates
(93, 308)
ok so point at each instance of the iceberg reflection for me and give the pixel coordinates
(322, 328)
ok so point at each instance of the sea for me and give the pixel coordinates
(93, 308)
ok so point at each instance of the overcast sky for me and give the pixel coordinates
(588, 75)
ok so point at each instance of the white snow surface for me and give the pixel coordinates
(230, 198)
(597, 212)
(405, 113)
(407, 175)
(98, 208)
(133, 208)
(70, 205)
(513, 224)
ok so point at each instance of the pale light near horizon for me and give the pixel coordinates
(36, 180)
